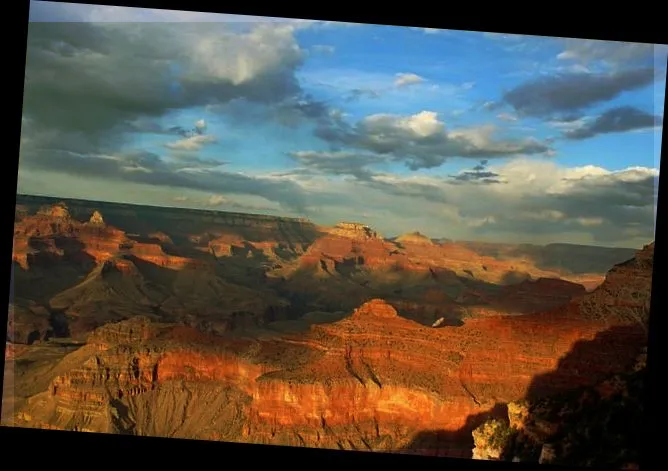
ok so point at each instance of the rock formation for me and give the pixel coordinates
(625, 295)
(96, 218)
(188, 311)
(57, 211)
(414, 238)
(369, 381)
(354, 230)
(599, 422)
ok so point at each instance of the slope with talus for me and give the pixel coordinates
(113, 290)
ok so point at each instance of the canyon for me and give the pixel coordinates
(250, 328)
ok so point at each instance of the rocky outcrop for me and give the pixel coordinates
(599, 425)
(177, 222)
(96, 218)
(595, 422)
(415, 238)
(57, 211)
(354, 230)
(375, 309)
(624, 297)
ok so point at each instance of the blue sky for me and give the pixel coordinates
(458, 134)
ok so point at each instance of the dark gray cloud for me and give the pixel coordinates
(338, 163)
(478, 174)
(187, 159)
(149, 168)
(422, 140)
(290, 111)
(89, 83)
(431, 192)
(565, 94)
(614, 53)
(615, 120)
(89, 86)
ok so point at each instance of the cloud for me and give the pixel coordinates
(180, 160)
(217, 200)
(506, 117)
(150, 169)
(489, 105)
(404, 80)
(422, 140)
(290, 112)
(90, 87)
(505, 36)
(567, 122)
(338, 163)
(480, 173)
(586, 51)
(429, 31)
(87, 83)
(570, 92)
(45, 11)
(539, 199)
(615, 120)
(192, 143)
(227, 203)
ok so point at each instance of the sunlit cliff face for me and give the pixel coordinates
(370, 381)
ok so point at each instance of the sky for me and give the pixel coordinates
(459, 135)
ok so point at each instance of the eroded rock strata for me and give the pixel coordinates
(271, 330)
(599, 423)
(370, 381)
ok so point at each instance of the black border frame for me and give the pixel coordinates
(51, 448)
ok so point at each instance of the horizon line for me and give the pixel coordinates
(306, 220)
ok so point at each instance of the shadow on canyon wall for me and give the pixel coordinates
(453, 443)
(51, 271)
(612, 351)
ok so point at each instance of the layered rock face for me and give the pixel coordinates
(624, 297)
(373, 380)
(80, 275)
(182, 310)
(52, 233)
(272, 268)
(598, 423)
(354, 230)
